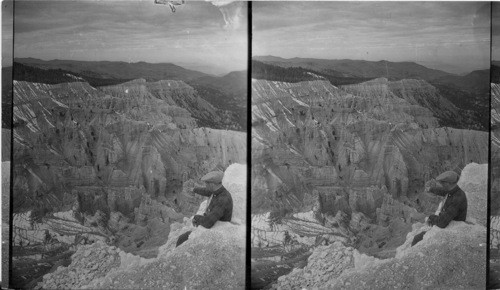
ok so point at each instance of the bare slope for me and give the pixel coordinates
(118, 162)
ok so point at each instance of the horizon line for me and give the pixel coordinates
(381, 60)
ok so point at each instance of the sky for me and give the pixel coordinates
(7, 32)
(199, 35)
(495, 32)
(452, 36)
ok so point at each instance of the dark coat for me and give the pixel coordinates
(455, 208)
(219, 209)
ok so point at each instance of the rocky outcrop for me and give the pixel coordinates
(119, 160)
(210, 259)
(495, 168)
(474, 182)
(494, 202)
(494, 232)
(6, 247)
(354, 159)
(495, 149)
(92, 261)
(448, 258)
(418, 93)
(75, 137)
(313, 135)
(180, 94)
(329, 260)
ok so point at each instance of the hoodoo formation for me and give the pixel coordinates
(345, 167)
(114, 164)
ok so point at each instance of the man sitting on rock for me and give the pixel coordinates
(453, 207)
(220, 204)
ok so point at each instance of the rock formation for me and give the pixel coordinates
(495, 149)
(79, 140)
(342, 141)
(353, 158)
(449, 258)
(494, 203)
(332, 138)
(119, 160)
(180, 94)
(474, 182)
(210, 259)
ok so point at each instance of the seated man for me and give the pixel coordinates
(453, 207)
(220, 204)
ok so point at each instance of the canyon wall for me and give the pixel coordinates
(345, 146)
(115, 164)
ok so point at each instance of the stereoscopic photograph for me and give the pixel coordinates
(129, 145)
(369, 145)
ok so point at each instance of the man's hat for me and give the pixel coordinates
(448, 176)
(213, 177)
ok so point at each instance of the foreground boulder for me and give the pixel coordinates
(450, 258)
(474, 182)
(209, 259)
(89, 263)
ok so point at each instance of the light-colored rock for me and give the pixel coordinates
(235, 181)
(474, 182)
(450, 258)
(88, 264)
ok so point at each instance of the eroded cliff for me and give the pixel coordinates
(354, 159)
(312, 135)
(120, 161)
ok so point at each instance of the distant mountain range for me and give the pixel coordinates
(117, 69)
(362, 69)
(358, 68)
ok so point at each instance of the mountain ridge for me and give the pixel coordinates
(117, 69)
(359, 68)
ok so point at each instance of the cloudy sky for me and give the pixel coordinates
(7, 32)
(495, 32)
(196, 36)
(451, 36)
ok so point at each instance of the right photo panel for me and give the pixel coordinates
(370, 145)
(494, 271)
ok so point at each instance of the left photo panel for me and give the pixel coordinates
(129, 145)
